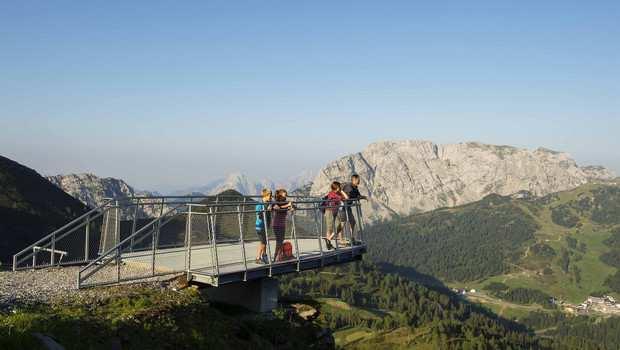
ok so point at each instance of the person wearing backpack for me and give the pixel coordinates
(263, 210)
(333, 201)
(280, 210)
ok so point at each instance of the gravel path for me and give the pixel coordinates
(47, 285)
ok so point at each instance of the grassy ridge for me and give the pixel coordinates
(147, 318)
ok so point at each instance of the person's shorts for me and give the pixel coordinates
(343, 216)
(260, 232)
(330, 220)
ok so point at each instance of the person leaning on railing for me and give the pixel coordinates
(333, 200)
(280, 211)
(352, 191)
(263, 210)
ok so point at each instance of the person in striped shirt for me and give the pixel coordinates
(280, 210)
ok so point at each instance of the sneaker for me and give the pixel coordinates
(328, 244)
(332, 246)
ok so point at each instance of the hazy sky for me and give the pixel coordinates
(167, 96)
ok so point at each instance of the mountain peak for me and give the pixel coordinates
(408, 176)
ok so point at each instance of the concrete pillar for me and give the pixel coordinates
(259, 295)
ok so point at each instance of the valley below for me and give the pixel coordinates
(503, 271)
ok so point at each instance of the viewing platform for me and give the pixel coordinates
(211, 240)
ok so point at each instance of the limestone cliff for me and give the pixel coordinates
(403, 177)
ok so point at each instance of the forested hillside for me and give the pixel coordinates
(389, 311)
(564, 244)
(369, 309)
(30, 207)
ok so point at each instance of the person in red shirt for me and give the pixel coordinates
(333, 201)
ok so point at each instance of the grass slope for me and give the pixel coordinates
(153, 318)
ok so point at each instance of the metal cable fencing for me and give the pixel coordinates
(131, 239)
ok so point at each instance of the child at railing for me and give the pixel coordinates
(333, 201)
(263, 220)
(280, 211)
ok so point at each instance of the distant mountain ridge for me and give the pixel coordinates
(404, 177)
(91, 189)
(249, 186)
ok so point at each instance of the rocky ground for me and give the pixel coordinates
(48, 285)
(44, 308)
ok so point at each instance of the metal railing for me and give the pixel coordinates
(86, 237)
(216, 235)
(70, 244)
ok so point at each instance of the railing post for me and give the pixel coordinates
(14, 263)
(153, 245)
(294, 227)
(335, 230)
(133, 224)
(188, 240)
(117, 228)
(87, 240)
(52, 251)
(240, 217)
(216, 263)
(348, 223)
(267, 239)
(210, 232)
(105, 226)
(118, 264)
(361, 223)
(318, 222)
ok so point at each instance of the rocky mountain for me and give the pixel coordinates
(597, 173)
(404, 177)
(30, 207)
(234, 181)
(248, 185)
(92, 190)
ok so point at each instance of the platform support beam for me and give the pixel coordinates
(259, 295)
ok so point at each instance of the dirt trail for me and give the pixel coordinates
(485, 299)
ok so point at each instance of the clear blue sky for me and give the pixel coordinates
(175, 94)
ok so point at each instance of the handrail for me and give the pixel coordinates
(306, 235)
(52, 235)
(116, 248)
(95, 261)
(345, 202)
(62, 228)
(205, 197)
